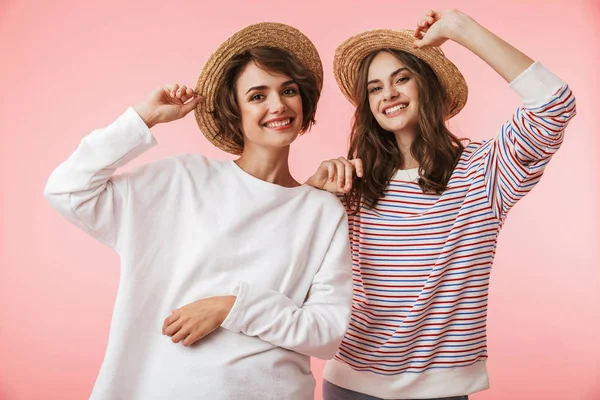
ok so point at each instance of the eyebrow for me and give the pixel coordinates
(263, 87)
(396, 72)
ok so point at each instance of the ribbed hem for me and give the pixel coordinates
(446, 382)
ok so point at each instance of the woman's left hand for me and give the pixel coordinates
(436, 27)
(194, 321)
(335, 176)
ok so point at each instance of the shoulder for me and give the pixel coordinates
(473, 152)
(172, 169)
(182, 162)
(327, 202)
(472, 148)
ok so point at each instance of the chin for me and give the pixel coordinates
(283, 141)
(399, 126)
(392, 127)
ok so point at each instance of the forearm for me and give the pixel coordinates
(505, 59)
(315, 329)
(81, 189)
(99, 154)
(147, 113)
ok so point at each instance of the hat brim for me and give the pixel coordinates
(351, 52)
(265, 34)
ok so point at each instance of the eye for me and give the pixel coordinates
(374, 89)
(402, 79)
(290, 92)
(257, 97)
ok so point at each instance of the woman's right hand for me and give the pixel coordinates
(167, 103)
(336, 175)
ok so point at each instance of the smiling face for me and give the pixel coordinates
(270, 107)
(266, 95)
(419, 124)
(393, 94)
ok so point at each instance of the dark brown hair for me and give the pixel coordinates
(227, 113)
(435, 148)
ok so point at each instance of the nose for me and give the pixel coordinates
(390, 93)
(276, 104)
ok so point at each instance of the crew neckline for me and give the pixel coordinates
(264, 185)
(405, 174)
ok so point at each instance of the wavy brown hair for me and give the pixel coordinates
(435, 148)
(226, 112)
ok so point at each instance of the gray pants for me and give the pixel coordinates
(334, 392)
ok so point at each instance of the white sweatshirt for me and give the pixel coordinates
(187, 228)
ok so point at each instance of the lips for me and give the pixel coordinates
(394, 109)
(279, 122)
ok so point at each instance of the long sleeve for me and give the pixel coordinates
(317, 326)
(515, 159)
(83, 188)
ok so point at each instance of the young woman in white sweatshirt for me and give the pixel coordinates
(256, 266)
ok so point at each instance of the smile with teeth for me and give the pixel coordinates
(278, 124)
(392, 110)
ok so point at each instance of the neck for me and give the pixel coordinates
(267, 165)
(405, 139)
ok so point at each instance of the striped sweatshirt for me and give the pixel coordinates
(422, 262)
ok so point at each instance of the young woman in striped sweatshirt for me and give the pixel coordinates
(425, 210)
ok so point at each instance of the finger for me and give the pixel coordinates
(349, 174)
(418, 33)
(173, 328)
(190, 339)
(424, 26)
(173, 89)
(431, 14)
(171, 86)
(184, 97)
(181, 334)
(169, 320)
(194, 337)
(330, 171)
(188, 94)
(191, 105)
(358, 165)
(181, 91)
(436, 15)
(420, 43)
(340, 170)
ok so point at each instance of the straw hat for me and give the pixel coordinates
(265, 34)
(351, 52)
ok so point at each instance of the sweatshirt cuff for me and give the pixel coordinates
(536, 85)
(230, 323)
(137, 125)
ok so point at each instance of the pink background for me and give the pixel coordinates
(68, 67)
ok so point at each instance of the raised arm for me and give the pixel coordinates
(84, 188)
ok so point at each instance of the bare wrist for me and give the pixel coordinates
(462, 28)
(228, 302)
(311, 182)
(145, 114)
